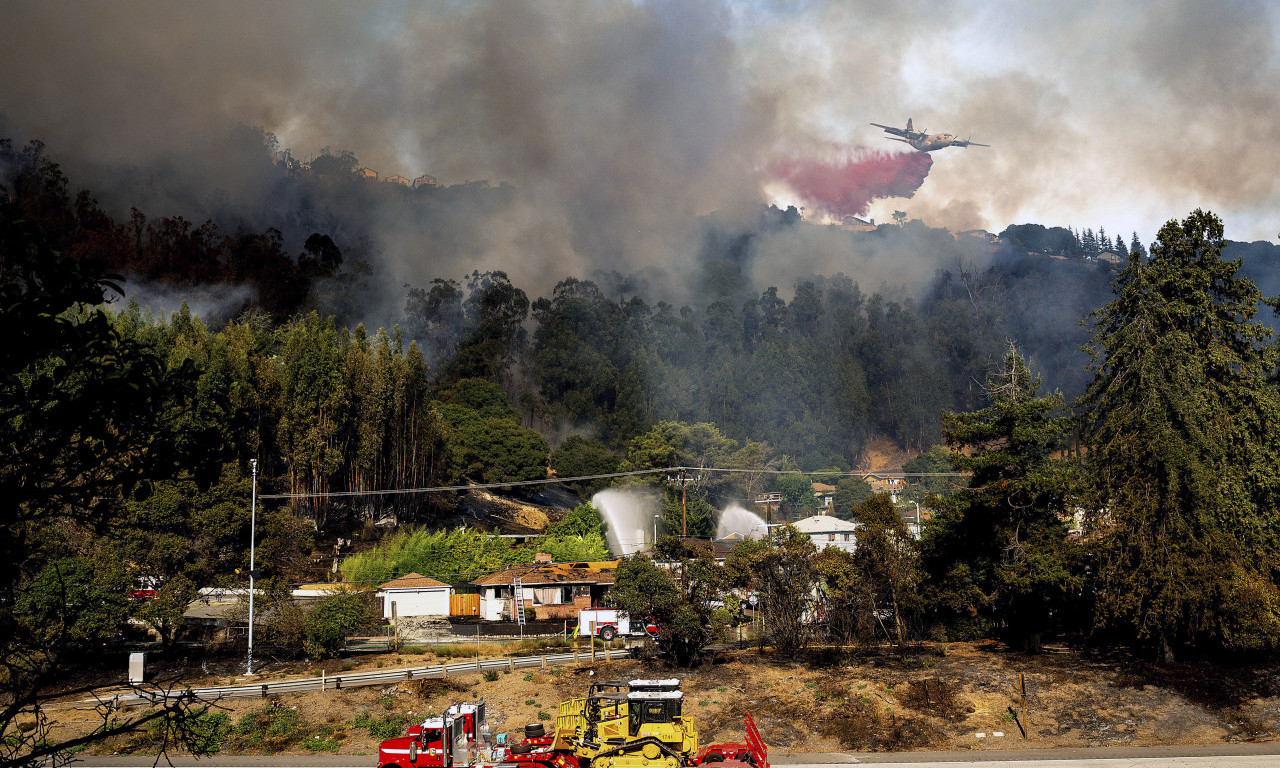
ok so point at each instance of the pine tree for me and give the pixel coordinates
(1136, 246)
(998, 548)
(1180, 422)
(1089, 244)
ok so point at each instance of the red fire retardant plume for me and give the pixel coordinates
(848, 186)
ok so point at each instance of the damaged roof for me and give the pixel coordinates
(534, 574)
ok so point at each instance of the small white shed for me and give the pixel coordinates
(415, 595)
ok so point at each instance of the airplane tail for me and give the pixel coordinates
(909, 128)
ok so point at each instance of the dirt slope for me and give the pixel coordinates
(940, 697)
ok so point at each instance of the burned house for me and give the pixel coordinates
(551, 590)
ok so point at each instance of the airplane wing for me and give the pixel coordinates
(891, 129)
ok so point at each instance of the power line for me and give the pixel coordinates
(606, 476)
(468, 487)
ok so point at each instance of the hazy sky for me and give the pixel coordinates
(1119, 114)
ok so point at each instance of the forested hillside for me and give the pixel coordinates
(1121, 471)
(810, 366)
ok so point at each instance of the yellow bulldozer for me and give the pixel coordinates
(633, 724)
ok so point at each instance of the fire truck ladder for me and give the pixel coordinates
(519, 601)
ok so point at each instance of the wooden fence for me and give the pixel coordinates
(464, 605)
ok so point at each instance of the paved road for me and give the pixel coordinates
(1223, 756)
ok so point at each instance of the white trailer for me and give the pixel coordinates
(608, 623)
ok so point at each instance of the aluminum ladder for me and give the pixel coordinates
(519, 601)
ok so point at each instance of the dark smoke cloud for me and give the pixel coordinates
(621, 121)
(849, 185)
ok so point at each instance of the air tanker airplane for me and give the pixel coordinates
(923, 141)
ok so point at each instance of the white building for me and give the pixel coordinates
(827, 531)
(415, 595)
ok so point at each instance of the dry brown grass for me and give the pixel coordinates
(839, 701)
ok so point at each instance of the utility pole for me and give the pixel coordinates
(684, 506)
(253, 519)
(683, 480)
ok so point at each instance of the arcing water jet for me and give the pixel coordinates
(735, 519)
(630, 517)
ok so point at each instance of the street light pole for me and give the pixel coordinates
(655, 531)
(253, 520)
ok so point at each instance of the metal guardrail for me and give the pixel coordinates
(380, 677)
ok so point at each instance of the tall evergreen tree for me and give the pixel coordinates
(1088, 243)
(1183, 458)
(1136, 246)
(998, 548)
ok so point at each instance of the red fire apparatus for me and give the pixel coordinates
(646, 715)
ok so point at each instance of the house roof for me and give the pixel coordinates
(534, 574)
(824, 524)
(884, 474)
(413, 580)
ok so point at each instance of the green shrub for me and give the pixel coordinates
(387, 726)
(207, 730)
(544, 715)
(271, 728)
(530, 703)
(491, 676)
(413, 650)
(332, 620)
(455, 651)
(320, 743)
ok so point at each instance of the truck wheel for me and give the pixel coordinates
(608, 633)
(713, 757)
(521, 749)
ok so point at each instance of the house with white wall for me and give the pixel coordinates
(828, 531)
(414, 595)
